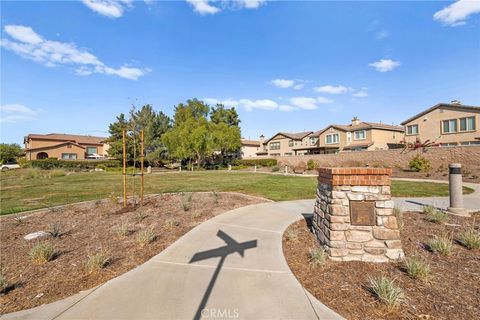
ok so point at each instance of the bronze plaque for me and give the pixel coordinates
(362, 213)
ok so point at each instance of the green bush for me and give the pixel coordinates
(73, 164)
(259, 162)
(275, 169)
(417, 269)
(419, 164)
(310, 164)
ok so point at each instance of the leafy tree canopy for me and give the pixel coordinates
(9, 151)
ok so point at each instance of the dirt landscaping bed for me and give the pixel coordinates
(451, 292)
(96, 227)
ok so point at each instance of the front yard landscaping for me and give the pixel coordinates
(438, 280)
(29, 189)
(90, 243)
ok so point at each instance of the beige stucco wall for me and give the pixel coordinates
(37, 143)
(56, 152)
(341, 142)
(285, 149)
(380, 138)
(248, 151)
(429, 126)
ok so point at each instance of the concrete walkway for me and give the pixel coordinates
(470, 201)
(231, 266)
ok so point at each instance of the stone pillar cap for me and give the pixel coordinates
(455, 165)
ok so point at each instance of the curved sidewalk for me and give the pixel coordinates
(231, 266)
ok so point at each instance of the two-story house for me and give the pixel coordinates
(445, 124)
(64, 147)
(356, 136)
(284, 143)
(249, 148)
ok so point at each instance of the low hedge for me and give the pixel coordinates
(74, 164)
(259, 162)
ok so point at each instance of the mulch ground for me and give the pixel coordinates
(453, 291)
(89, 228)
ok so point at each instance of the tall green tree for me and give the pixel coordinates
(198, 134)
(9, 151)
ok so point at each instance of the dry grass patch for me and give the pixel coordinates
(42, 252)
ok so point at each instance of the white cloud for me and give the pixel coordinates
(108, 8)
(203, 7)
(382, 34)
(323, 100)
(13, 113)
(264, 104)
(304, 103)
(286, 108)
(384, 65)
(251, 4)
(227, 102)
(362, 93)
(288, 83)
(457, 13)
(331, 89)
(282, 83)
(30, 45)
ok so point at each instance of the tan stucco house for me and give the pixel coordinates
(65, 147)
(445, 124)
(284, 143)
(356, 136)
(249, 148)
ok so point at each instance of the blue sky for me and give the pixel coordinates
(72, 66)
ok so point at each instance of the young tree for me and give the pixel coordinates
(9, 151)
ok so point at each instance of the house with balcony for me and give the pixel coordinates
(356, 136)
(445, 124)
(65, 147)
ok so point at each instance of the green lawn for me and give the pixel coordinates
(18, 192)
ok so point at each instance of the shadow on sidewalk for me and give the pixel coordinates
(222, 252)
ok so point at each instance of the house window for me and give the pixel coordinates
(290, 143)
(287, 154)
(467, 124)
(313, 140)
(275, 145)
(275, 154)
(449, 126)
(412, 129)
(91, 150)
(331, 138)
(69, 156)
(359, 135)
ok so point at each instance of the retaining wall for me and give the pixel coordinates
(468, 156)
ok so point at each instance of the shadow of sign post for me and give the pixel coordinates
(231, 246)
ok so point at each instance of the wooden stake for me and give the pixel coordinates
(142, 156)
(124, 171)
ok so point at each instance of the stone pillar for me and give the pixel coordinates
(149, 169)
(255, 168)
(229, 167)
(456, 189)
(286, 169)
(353, 215)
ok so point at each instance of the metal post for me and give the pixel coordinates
(255, 168)
(286, 170)
(124, 170)
(142, 156)
(456, 189)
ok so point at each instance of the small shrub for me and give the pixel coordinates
(470, 238)
(436, 216)
(442, 245)
(122, 230)
(31, 174)
(397, 211)
(113, 198)
(300, 167)
(215, 195)
(57, 173)
(19, 220)
(140, 215)
(42, 252)
(3, 283)
(291, 234)
(429, 209)
(419, 164)
(310, 164)
(96, 262)
(258, 162)
(317, 255)
(386, 291)
(196, 214)
(187, 202)
(145, 237)
(171, 222)
(55, 229)
(275, 169)
(417, 269)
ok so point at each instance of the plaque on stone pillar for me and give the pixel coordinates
(362, 213)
